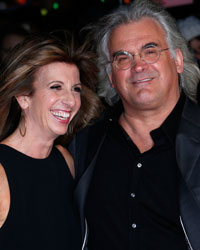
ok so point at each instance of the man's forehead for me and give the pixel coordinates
(137, 34)
(136, 28)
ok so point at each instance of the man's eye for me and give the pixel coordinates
(150, 51)
(55, 87)
(122, 58)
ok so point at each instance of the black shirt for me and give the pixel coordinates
(132, 201)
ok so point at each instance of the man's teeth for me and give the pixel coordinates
(145, 80)
(61, 115)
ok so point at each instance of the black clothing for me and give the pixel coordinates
(41, 215)
(87, 144)
(132, 201)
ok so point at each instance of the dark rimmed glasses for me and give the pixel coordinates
(124, 60)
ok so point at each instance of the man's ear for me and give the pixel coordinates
(179, 61)
(23, 101)
(110, 78)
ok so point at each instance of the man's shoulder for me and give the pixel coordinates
(189, 126)
(87, 136)
(191, 112)
(99, 127)
(92, 130)
(85, 144)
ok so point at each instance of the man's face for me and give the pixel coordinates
(145, 86)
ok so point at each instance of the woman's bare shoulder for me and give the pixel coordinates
(68, 158)
(4, 196)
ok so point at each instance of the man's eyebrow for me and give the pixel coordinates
(118, 52)
(151, 44)
(147, 45)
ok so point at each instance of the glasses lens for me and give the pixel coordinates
(150, 55)
(123, 60)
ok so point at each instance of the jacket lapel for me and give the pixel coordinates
(188, 158)
(83, 185)
(188, 141)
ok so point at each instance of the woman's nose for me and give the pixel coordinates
(68, 99)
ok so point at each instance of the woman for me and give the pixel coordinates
(46, 94)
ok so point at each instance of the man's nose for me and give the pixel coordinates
(139, 63)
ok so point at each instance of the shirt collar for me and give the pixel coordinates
(170, 126)
(113, 113)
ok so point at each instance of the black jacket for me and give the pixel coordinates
(87, 143)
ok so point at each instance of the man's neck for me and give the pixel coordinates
(139, 124)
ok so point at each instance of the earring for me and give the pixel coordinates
(22, 132)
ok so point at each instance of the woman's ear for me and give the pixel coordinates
(23, 101)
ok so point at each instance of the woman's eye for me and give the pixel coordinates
(77, 89)
(55, 87)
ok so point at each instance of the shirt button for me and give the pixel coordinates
(134, 225)
(132, 195)
(139, 165)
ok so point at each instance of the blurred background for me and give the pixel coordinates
(18, 18)
(46, 15)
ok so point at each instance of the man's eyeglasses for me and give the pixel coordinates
(125, 60)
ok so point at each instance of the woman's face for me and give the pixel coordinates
(55, 101)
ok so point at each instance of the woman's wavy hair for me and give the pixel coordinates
(19, 70)
(139, 9)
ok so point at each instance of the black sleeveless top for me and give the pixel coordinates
(42, 215)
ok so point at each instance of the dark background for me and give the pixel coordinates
(71, 14)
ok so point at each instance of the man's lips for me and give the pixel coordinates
(143, 77)
(144, 80)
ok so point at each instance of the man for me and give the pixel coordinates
(141, 184)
